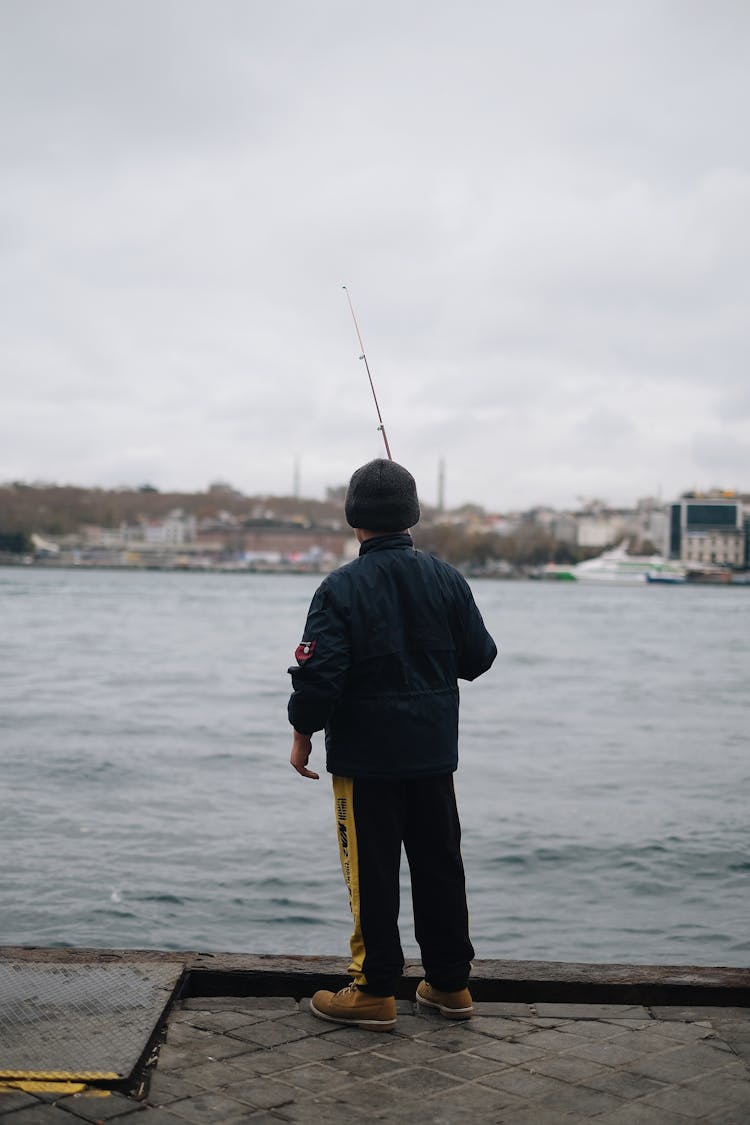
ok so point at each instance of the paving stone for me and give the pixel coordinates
(48, 1096)
(186, 1034)
(738, 1041)
(179, 1015)
(631, 1025)
(40, 1114)
(737, 1027)
(636, 1113)
(498, 1027)
(407, 1052)
(418, 1080)
(659, 1037)
(315, 1049)
(491, 1008)
(448, 1037)
(167, 1087)
(680, 1063)
(207, 1003)
(304, 1021)
(504, 1051)
(413, 1025)
(584, 1101)
(597, 1029)
(313, 1077)
(610, 1053)
(209, 1075)
(180, 1058)
(11, 1100)
(553, 1039)
(537, 1115)
(313, 1111)
(366, 1065)
(471, 1099)
(100, 1109)
(355, 1038)
(223, 1020)
(594, 1011)
(367, 1097)
(465, 1066)
(729, 1116)
(691, 1102)
(265, 1062)
(698, 1014)
(724, 1089)
(156, 1115)
(742, 1050)
(621, 1083)
(262, 1092)
(567, 1067)
(239, 1003)
(267, 1034)
(270, 1003)
(525, 1084)
(210, 1107)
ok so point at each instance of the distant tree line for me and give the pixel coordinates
(528, 545)
(15, 543)
(51, 509)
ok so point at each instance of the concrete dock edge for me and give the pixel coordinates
(243, 974)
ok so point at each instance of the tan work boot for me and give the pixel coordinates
(452, 1005)
(355, 1009)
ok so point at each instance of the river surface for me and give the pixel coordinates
(146, 798)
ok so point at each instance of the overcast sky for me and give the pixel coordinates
(540, 210)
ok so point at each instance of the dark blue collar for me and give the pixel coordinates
(399, 540)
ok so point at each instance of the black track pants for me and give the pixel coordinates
(374, 819)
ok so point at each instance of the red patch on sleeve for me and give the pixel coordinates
(304, 651)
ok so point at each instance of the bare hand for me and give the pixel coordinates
(300, 755)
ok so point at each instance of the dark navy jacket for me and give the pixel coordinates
(387, 636)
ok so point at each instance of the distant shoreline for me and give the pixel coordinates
(737, 580)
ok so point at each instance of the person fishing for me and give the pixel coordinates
(386, 639)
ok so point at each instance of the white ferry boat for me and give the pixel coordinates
(617, 566)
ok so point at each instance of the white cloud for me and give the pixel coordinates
(540, 213)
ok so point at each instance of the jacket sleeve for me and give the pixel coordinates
(323, 659)
(476, 650)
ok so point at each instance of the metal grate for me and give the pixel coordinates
(88, 1022)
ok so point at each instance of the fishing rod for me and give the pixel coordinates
(381, 425)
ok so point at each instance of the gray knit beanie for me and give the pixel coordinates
(382, 496)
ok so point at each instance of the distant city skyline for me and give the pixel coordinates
(297, 492)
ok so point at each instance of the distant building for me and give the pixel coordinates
(649, 521)
(175, 529)
(599, 529)
(709, 530)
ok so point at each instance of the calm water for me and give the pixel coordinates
(146, 798)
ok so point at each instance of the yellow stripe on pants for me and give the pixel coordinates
(343, 794)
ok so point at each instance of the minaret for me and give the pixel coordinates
(295, 482)
(441, 485)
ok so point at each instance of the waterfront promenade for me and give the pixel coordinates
(228, 1056)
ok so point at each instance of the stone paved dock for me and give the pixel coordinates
(229, 1059)
(265, 1059)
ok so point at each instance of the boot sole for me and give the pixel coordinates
(448, 1013)
(365, 1025)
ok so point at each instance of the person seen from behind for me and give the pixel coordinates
(387, 638)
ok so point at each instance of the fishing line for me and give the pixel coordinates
(381, 425)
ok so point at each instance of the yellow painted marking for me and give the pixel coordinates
(58, 1075)
(343, 793)
(47, 1088)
